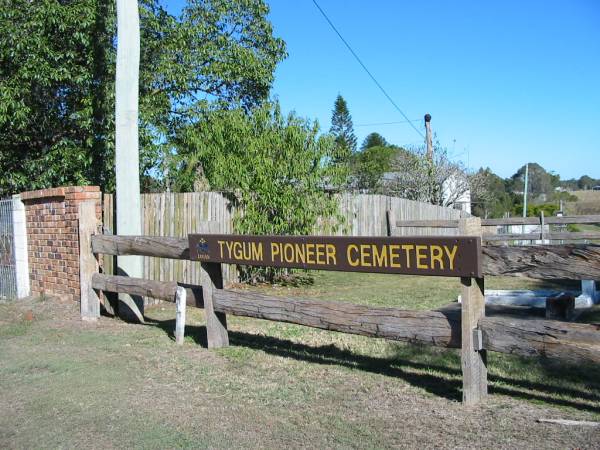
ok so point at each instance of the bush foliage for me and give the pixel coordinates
(277, 168)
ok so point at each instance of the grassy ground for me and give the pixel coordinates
(65, 384)
(588, 202)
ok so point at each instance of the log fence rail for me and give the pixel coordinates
(474, 332)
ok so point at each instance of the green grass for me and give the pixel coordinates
(14, 329)
(408, 292)
(67, 384)
(589, 227)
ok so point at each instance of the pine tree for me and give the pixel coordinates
(374, 140)
(342, 129)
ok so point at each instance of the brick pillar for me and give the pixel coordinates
(53, 238)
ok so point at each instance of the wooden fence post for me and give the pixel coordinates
(180, 301)
(542, 225)
(473, 356)
(88, 264)
(390, 222)
(211, 278)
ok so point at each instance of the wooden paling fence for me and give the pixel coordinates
(365, 215)
(179, 214)
(467, 328)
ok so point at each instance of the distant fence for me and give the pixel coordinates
(180, 214)
(541, 231)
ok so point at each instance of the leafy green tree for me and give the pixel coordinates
(493, 200)
(372, 162)
(540, 181)
(277, 168)
(218, 54)
(374, 140)
(55, 93)
(586, 182)
(370, 165)
(342, 129)
(57, 61)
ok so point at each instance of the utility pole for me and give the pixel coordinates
(523, 227)
(126, 147)
(428, 139)
(525, 190)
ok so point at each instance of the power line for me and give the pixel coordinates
(366, 70)
(386, 123)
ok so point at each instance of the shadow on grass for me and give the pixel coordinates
(435, 370)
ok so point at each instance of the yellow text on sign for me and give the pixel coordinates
(394, 256)
(242, 251)
(304, 253)
(425, 257)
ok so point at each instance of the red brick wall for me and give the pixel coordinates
(53, 238)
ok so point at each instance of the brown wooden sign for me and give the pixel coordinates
(457, 256)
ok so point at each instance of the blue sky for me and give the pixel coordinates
(506, 83)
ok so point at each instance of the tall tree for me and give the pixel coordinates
(57, 61)
(494, 199)
(586, 182)
(371, 165)
(374, 140)
(56, 93)
(541, 182)
(342, 129)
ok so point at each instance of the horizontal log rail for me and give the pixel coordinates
(428, 223)
(158, 246)
(594, 218)
(571, 342)
(569, 262)
(512, 237)
(564, 236)
(426, 327)
(162, 290)
(543, 262)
